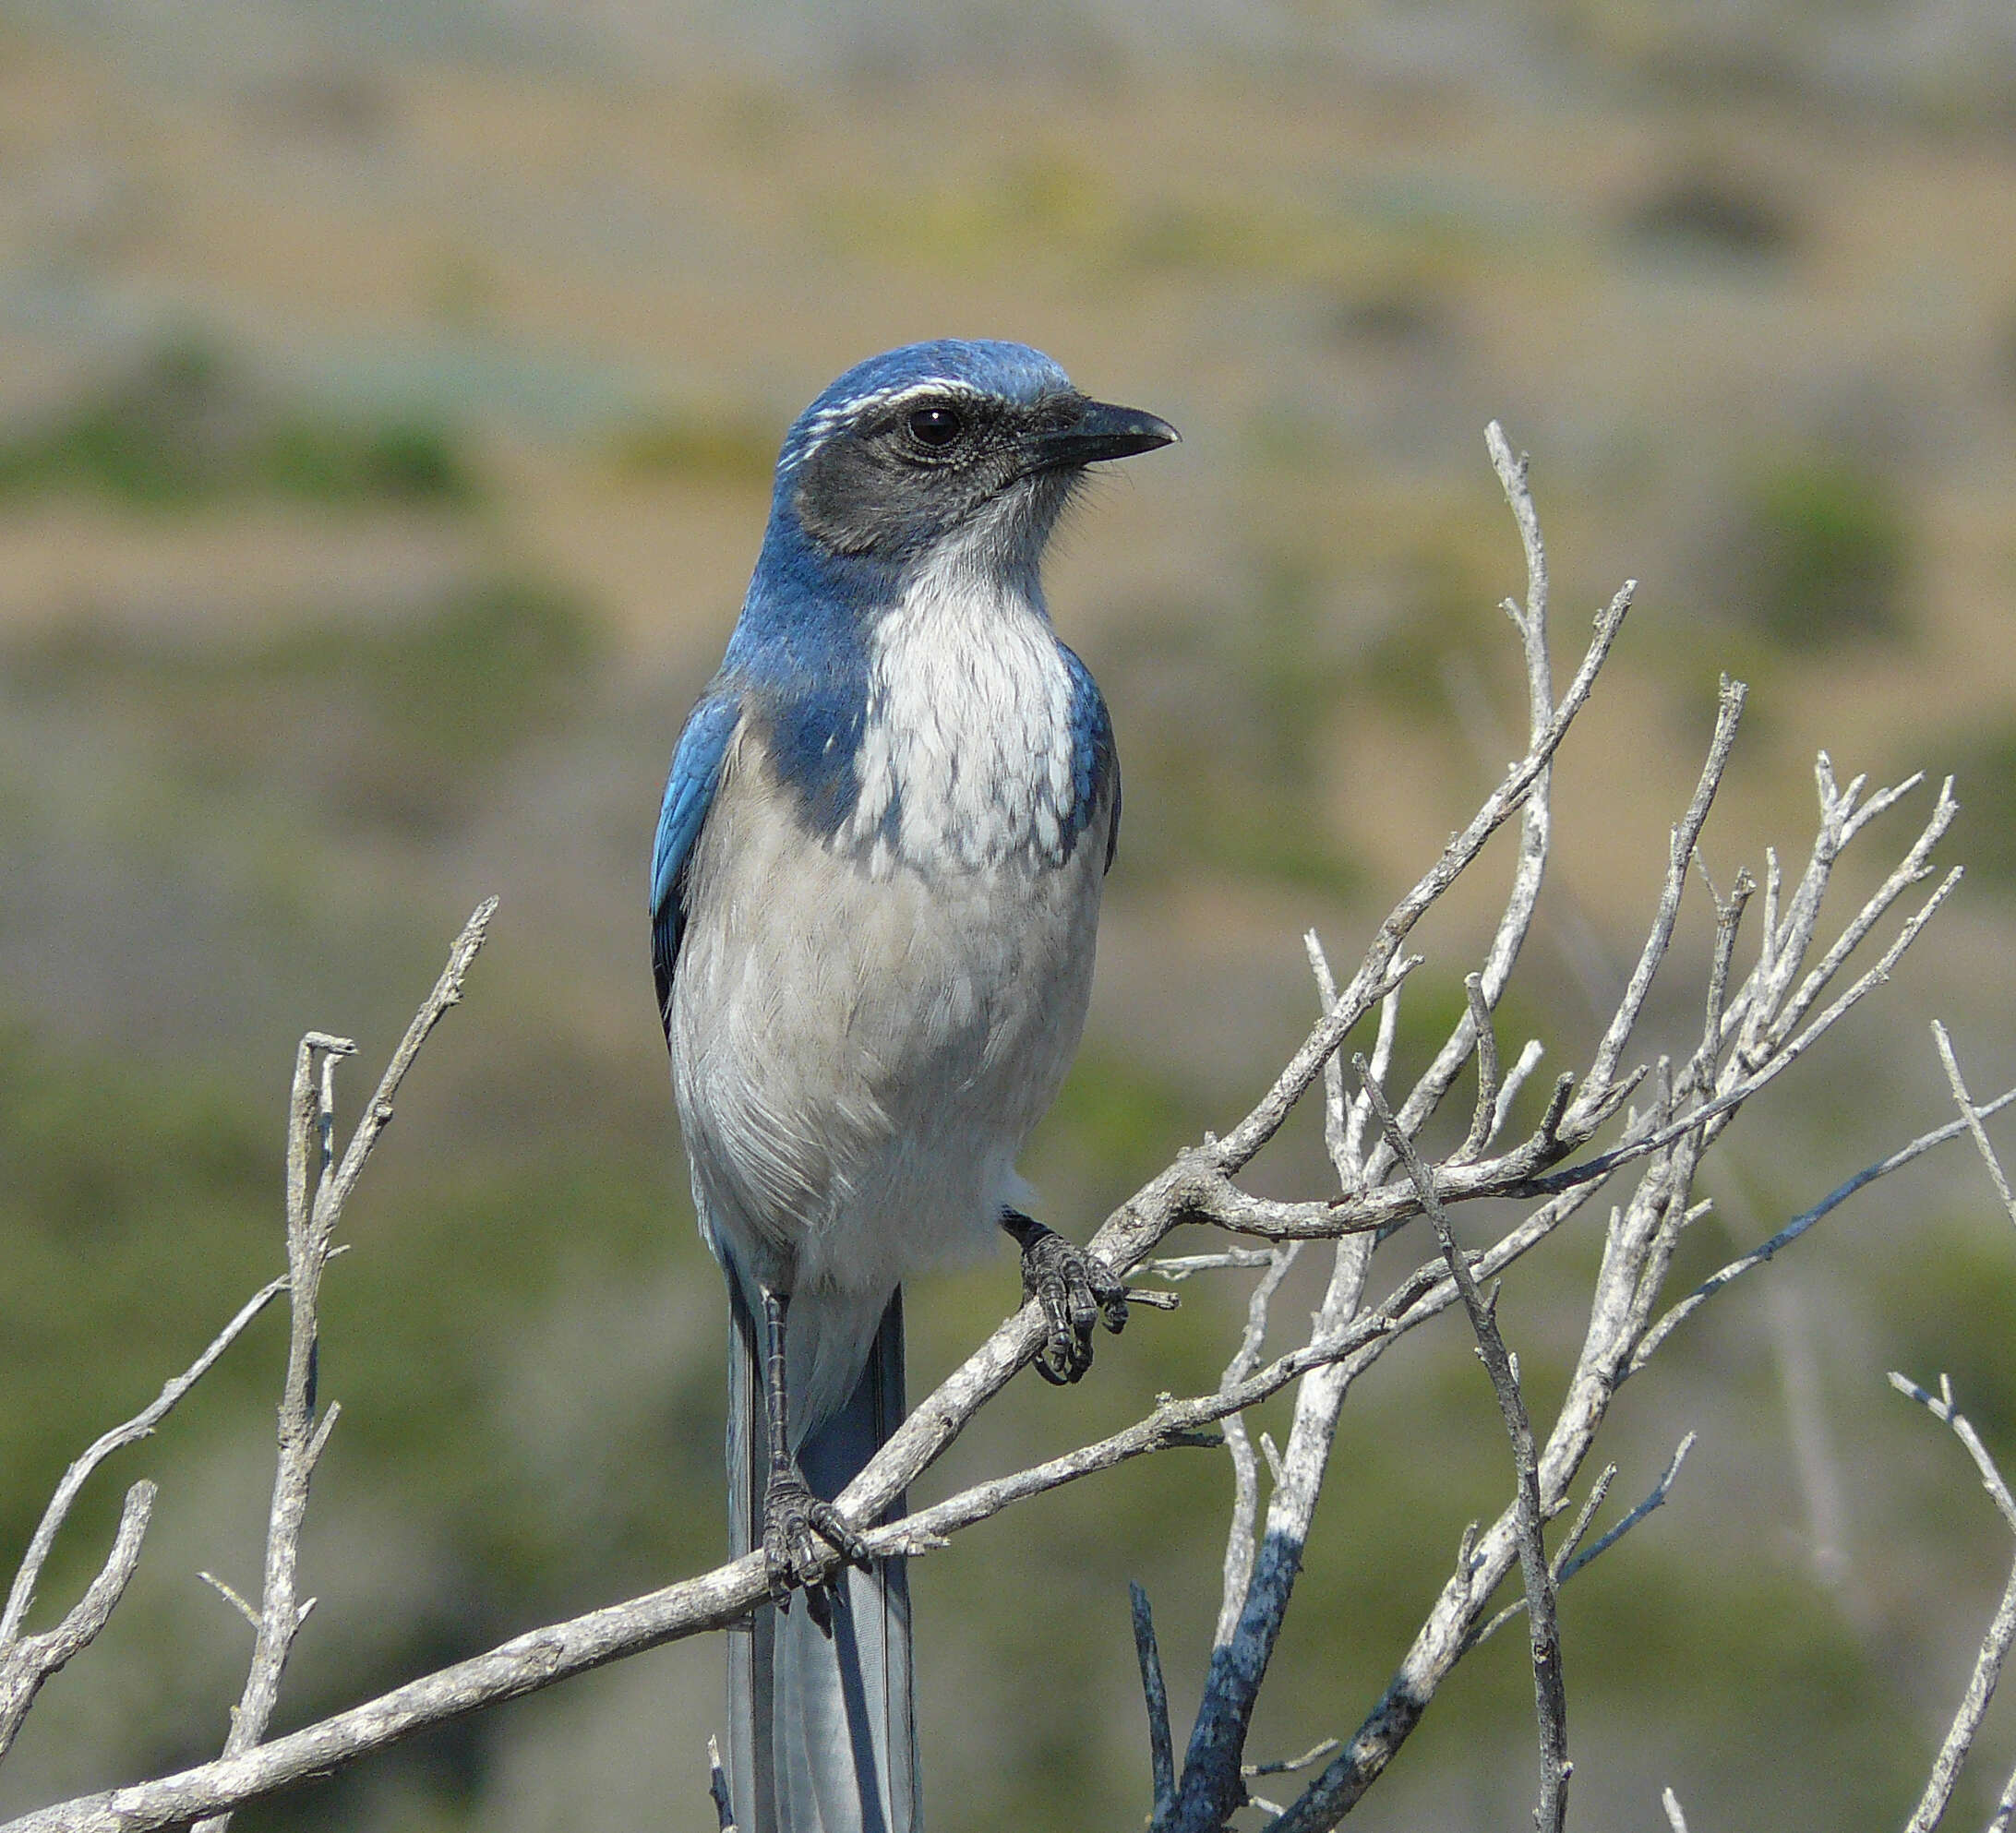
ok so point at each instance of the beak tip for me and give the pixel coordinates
(1099, 432)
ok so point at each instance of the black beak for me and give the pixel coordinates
(1098, 430)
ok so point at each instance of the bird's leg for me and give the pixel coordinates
(792, 1514)
(1075, 1289)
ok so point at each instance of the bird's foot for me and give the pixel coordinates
(795, 1522)
(1075, 1288)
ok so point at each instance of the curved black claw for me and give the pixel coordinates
(1075, 1289)
(795, 1521)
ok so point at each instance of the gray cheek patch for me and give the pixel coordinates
(857, 494)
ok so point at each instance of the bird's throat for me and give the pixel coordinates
(966, 757)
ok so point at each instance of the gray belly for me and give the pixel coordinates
(859, 1055)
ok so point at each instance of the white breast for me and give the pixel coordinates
(968, 736)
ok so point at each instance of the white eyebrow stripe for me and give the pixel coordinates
(821, 426)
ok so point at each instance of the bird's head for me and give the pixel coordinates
(969, 445)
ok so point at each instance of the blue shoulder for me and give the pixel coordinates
(689, 793)
(1095, 760)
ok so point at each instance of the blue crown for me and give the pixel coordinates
(989, 366)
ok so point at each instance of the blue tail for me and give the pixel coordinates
(821, 1729)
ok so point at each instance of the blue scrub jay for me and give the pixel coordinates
(874, 893)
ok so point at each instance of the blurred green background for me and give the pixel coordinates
(387, 402)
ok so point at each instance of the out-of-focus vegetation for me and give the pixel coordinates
(133, 1194)
(1706, 212)
(1818, 554)
(696, 446)
(385, 434)
(1229, 711)
(183, 427)
(379, 724)
(1985, 763)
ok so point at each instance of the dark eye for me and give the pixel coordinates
(936, 427)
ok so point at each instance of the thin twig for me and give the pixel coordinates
(231, 1597)
(311, 1223)
(22, 1599)
(26, 1663)
(1259, 1126)
(1238, 1538)
(1487, 1069)
(1286, 1766)
(1182, 1266)
(1800, 1223)
(717, 1788)
(2001, 1631)
(1941, 1408)
(1971, 1115)
(1654, 1498)
(1529, 1060)
(1550, 1694)
(1161, 1750)
(1728, 713)
(1359, 1109)
(1585, 1519)
(447, 994)
(1567, 1562)
(1909, 871)
(1536, 823)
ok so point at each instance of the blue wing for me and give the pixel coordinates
(1097, 760)
(689, 793)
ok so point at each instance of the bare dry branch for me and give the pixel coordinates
(717, 1788)
(22, 1599)
(1567, 1562)
(517, 1667)
(1549, 1690)
(1654, 1498)
(1805, 1220)
(26, 1663)
(1536, 828)
(1751, 1034)
(2001, 1631)
(1942, 1409)
(1286, 1766)
(231, 1597)
(1238, 1538)
(1155, 1693)
(1487, 1070)
(1971, 1115)
(1238, 1147)
(1182, 1266)
(447, 994)
(311, 1225)
(1603, 1067)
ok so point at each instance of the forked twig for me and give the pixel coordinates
(312, 1217)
